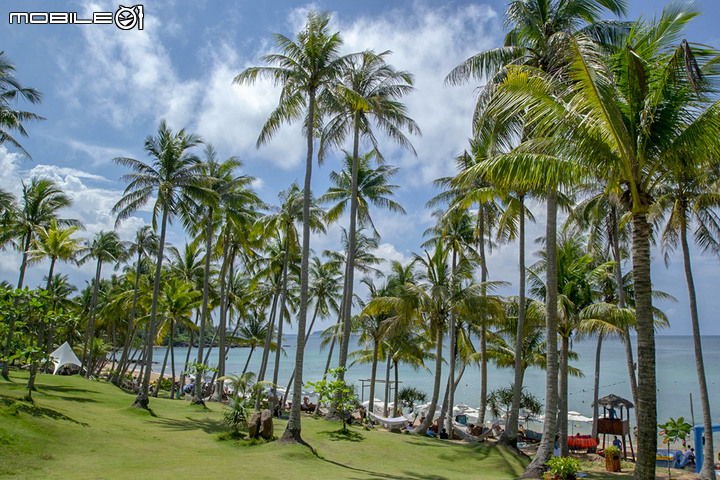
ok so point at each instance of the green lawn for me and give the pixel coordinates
(86, 429)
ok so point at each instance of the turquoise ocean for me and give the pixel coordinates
(676, 373)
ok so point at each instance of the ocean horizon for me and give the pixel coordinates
(675, 365)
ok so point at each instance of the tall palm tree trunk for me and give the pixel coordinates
(596, 388)
(185, 365)
(162, 373)
(483, 327)
(563, 400)
(278, 350)
(509, 437)
(172, 358)
(396, 411)
(387, 383)
(373, 376)
(349, 280)
(197, 391)
(547, 444)
(218, 395)
(142, 399)
(292, 376)
(117, 376)
(294, 428)
(621, 303)
(268, 340)
(451, 371)
(422, 428)
(252, 349)
(90, 329)
(707, 472)
(647, 388)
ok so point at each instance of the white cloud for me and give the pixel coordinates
(125, 74)
(429, 43)
(99, 154)
(91, 204)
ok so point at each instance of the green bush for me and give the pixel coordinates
(612, 451)
(235, 414)
(564, 468)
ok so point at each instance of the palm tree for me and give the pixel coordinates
(612, 117)
(174, 174)
(282, 223)
(145, 244)
(428, 303)
(690, 193)
(600, 216)
(537, 38)
(489, 214)
(372, 188)
(231, 194)
(40, 203)
(578, 272)
(455, 230)
(325, 291)
(177, 302)
(12, 120)
(252, 333)
(372, 328)
(367, 92)
(7, 217)
(56, 244)
(105, 247)
(305, 69)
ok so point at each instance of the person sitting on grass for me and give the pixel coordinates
(444, 435)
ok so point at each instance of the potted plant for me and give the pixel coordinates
(562, 468)
(612, 459)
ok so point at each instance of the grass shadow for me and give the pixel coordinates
(35, 411)
(64, 389)
(343, 435)
(207, 425)
(378, 475)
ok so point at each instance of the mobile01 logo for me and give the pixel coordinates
(125, 18)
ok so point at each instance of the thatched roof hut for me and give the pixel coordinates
(613, 401)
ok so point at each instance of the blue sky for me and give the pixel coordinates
(106, 89)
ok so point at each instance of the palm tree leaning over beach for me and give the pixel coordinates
(174, 176)
(690, 195)
(366, 93)
(536, 39)
(305, 69)
(610, 116)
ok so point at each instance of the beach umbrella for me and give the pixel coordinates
(578, 417)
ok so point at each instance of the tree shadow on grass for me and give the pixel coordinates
(35, 410)
(207, 425)
(64, 389)
(369, 474)
(343, 435)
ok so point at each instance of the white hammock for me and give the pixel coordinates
(388, 422)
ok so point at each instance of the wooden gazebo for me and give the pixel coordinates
(620, 424)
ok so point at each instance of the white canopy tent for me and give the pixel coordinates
(64, 355)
